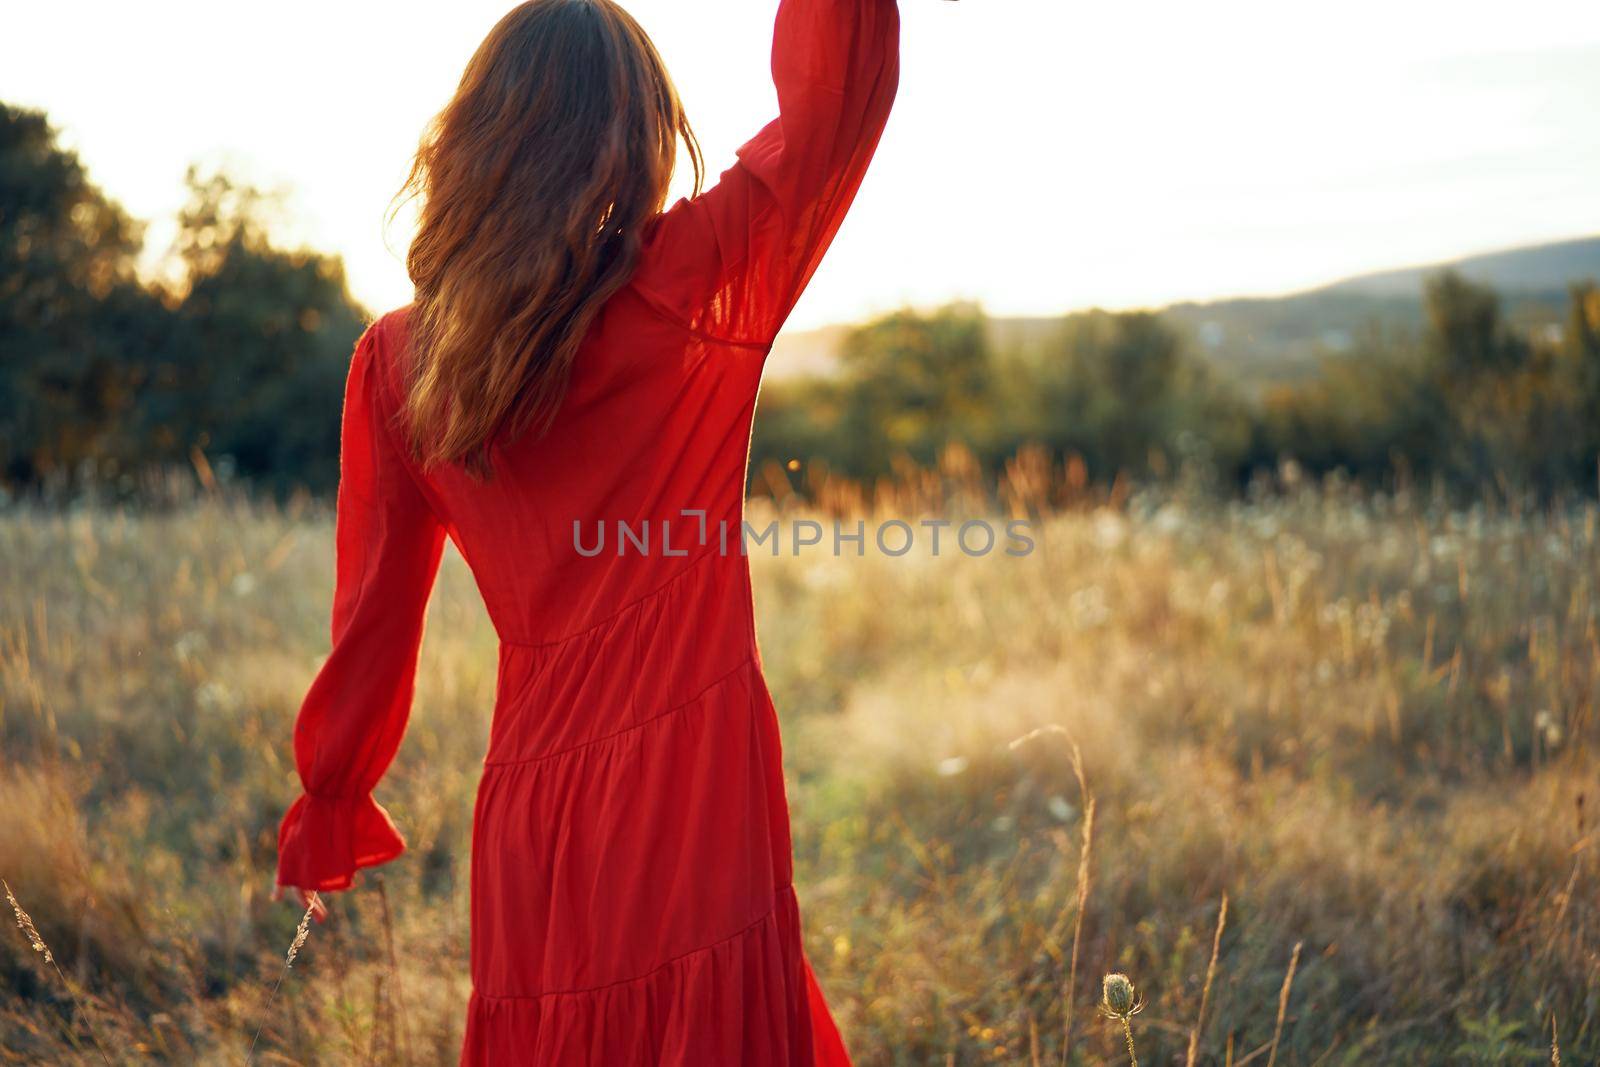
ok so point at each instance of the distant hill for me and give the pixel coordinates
(1534, 268)
(1260, 340)
(1267, 339)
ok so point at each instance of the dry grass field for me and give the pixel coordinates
(1370, 722)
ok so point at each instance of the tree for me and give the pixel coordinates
(909, 384)
(1582, 365)
(243, 358)
(1466, 337)
(263, 343)
(1121, 391)
(1497, 388)
(69, 304)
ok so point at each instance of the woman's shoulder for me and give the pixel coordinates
(390, 329)
(385, 343)
(678, 256)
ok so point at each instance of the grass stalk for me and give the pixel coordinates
(31, 932)
(1283, 1002)
(1205, 992)
(301, 932)
(398, 1015)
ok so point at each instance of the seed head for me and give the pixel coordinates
(1119, 999)
(25, 924)
(301, 932)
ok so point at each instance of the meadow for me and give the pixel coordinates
(1369, 721)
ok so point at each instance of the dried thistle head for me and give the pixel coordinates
(25, 924)
(1118, 998)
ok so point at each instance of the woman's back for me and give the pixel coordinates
(631, 880)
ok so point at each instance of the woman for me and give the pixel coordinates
(574, 359)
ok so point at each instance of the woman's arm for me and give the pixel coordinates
(732, 262)
(388, 544)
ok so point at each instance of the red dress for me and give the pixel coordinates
(632, 897)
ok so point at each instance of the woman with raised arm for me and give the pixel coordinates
(580, 364)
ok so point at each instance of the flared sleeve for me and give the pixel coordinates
(388, 545)
(731, 263)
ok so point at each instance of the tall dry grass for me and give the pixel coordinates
(1370, 721)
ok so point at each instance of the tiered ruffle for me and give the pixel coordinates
(748, 999)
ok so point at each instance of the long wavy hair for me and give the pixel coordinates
(534, 182)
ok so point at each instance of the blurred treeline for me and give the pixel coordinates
(233, 360)
(1464, 402)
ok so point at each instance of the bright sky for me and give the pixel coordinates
(1044, 154)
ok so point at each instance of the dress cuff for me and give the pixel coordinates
(323, 841)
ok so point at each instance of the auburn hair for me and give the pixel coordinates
(535, 182)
